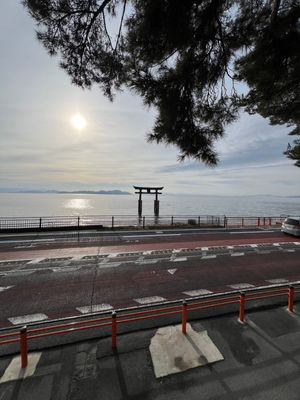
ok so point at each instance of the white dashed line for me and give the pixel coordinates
(209, 256)
(148, 262)
(241, 286)
(172, 271)
(237, 254)
(276, 281)
(77, 258)
(204, 248)
(148, 300)
(109, 264)
(25, 319)
(2, 288)
(147, 253)
(175, 251)
(197, 292)
(179, 259)
(65, 269)
(276, 244)
(113, 255)
(246, 232)
(253, 245)
(36, 260)
(94, 308)
(230, 247)
(290, 251)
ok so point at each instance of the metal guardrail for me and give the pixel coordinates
(132, 315)
(121, 221)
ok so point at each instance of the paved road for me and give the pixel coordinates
(93, 243)
(79, 283)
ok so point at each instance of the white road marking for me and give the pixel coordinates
(276, 244)
(65, 269)
(77, 258)
(209, 256)
(176, 251)
(297, 243)
(14, 371)
(230, 247)
(244, 232)
(204, 248)
(2, 288)
(143, 236)
(172, 271)
(36, 260)
(25, 319)
(179, 259)
(197, 292)
(147, 253)
(148, 262)
(148, 300)
(253, 245)
(17, 272)
(109, 265)
(237, 254)
(275, 281)
(241, 286)
(290, 251)
(94, 308)
(113, 255)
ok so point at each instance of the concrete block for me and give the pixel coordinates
(173, 352)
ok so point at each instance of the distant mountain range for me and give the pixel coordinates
(117, 192)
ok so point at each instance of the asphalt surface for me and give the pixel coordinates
(56, 275)
(261, 362)
(50, 282)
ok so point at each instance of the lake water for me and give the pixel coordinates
(39, 205)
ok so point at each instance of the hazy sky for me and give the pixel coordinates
(41, 149)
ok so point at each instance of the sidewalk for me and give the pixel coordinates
(261, 361)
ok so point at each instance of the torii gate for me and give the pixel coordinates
(148, 190)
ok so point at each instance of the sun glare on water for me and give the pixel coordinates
(78, 122)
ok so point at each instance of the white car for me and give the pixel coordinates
(291, 225)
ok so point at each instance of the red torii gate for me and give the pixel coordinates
(148, 190)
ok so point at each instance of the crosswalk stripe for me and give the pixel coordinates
(25, 319)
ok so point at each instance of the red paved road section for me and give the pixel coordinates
(142, 244)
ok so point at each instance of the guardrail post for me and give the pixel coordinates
(183, 317)
(23, 347)
(225, 221)
(258, 221)
(172, 220)
(78, 221)
(144, 222)
(270, 221)
(291, 299)
(113, 329)
(112, 222)
(40, 223)
(242, 307)
(199, 221)
(242, 222)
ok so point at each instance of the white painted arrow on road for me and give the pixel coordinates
(172, 271)
(2, 288)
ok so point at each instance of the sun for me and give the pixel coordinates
(78, 122)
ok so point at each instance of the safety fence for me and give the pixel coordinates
(183, 308)
(146, 221)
